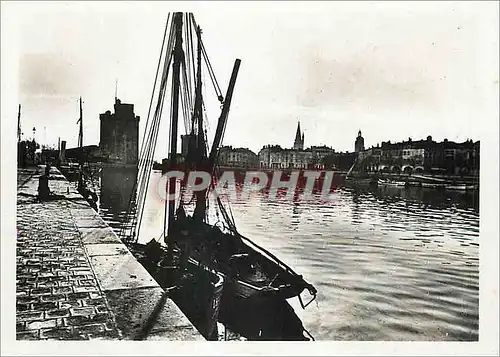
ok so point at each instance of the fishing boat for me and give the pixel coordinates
(432, 185)
(361, 181)
(250, 275)
(461, 187)
(394, 183)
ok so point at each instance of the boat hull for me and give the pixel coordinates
(272, 319)
(461, 187)
(206, 298)
(432, 185)
(391, 183)
(197, 292)
(247, 272)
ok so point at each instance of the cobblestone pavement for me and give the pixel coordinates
(57, 294)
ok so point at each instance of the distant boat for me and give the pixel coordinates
(432, 185)
(358, 181)
(461, 187)
(429, 178)
(391, 183)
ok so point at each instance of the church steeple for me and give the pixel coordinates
(298, 143)
(297, 134)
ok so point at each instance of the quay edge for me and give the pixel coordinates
(75, 278)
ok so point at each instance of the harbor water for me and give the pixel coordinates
(389, 263)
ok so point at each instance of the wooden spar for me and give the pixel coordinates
(19, 124)
(80, 133)
(352, 167)
(198, 103)
(178, 57)
(223, 116)
(200, 209)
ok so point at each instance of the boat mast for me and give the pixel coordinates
(198, 103)
(178, 58)
(80, 133)
(221, 124)
(200, 209)
(19, 124)
(352, 167)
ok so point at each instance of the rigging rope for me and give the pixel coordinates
(187, 63)
(188, 75)
(151, 134)
(218, 92)
(191, 51)
(154, 85)
(184, 105)
(130, 211)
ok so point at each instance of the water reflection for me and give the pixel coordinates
(245, 317)
(116, 189)
(389, 263)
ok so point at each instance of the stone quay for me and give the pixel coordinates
(75, 279)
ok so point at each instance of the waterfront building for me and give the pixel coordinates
(238, 157)
(422, 156)
(276, 157)
(87, 153)
(120, 135)
(339, 161)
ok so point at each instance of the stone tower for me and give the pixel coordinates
(298, 143)
(120, 135)
(359, 144)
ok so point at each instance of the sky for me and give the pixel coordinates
(393, 70)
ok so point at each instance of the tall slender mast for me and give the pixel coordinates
(80, 134)
(19, 124)
(178, 55)
(221, 124)
(200, 209)
(198, 103)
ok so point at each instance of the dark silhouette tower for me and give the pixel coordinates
(359, 144)
(120, 135)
